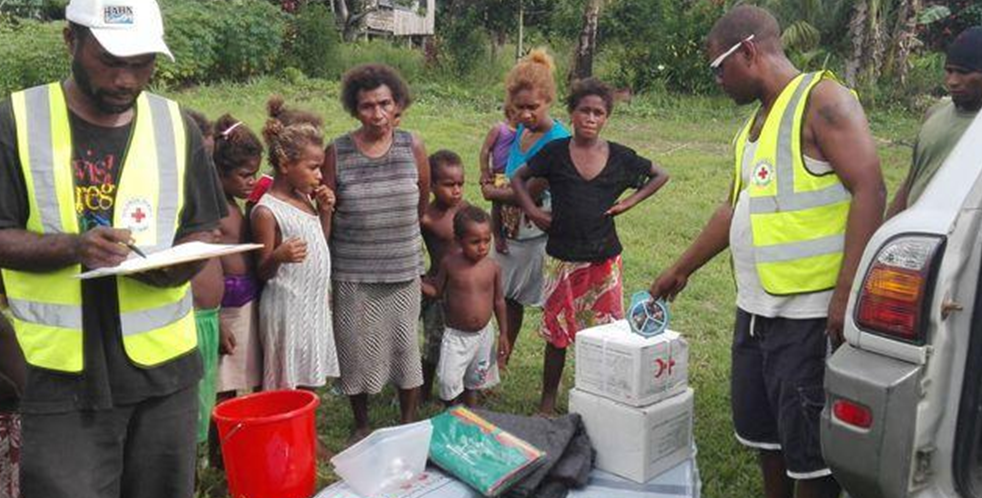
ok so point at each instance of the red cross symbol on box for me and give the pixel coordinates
(138, 215)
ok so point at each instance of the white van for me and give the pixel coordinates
(903, 413)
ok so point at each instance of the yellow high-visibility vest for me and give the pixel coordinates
(798, 219)
(157, 323)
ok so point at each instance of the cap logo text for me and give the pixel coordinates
(118, 14)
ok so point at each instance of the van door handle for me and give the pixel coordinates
(948, 306)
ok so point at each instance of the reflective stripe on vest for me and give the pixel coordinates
(798, 218)
(157, 323)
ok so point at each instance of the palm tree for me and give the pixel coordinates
(880, 34)
(586, 43)
(883, 35)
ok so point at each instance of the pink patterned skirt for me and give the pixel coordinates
(579, 296)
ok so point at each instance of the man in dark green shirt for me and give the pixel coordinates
(945, 122)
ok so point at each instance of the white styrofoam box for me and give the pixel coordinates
(432, 483)
(613, 362)
(637, 443)
(681, 481)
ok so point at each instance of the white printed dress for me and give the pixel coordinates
(295, 322)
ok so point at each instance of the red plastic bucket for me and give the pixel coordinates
(269, 444)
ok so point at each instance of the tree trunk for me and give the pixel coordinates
(904, 40)
(857, 35)
(520, 46)
(342, 11)
(586, 44)
(498, 40)
(355, 13)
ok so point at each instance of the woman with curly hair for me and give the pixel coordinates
(381, 176)
(531, 88)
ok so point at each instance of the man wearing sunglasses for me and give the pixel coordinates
(807, 195)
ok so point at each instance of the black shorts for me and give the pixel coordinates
(778, 367)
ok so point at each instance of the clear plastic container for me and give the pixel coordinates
(386, 459)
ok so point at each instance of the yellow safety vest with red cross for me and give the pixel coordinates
(157, 324)
(798, 218)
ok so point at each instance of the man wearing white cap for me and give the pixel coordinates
(89, 168)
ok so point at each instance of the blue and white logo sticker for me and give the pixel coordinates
(118, 15)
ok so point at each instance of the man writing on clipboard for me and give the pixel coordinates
(87, 166)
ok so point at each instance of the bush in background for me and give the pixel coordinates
(958, 16)
(251, 38)
(220, 40)
(656, 40)
(463, 45)
(31, 53)
(211, 41)
(192, 33)
(41, 10)
(312, 42)
(410, 63)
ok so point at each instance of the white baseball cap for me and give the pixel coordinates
(123, 27)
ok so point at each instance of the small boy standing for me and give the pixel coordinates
(447, 186)
(470, 284)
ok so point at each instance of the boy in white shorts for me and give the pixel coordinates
(470, 284)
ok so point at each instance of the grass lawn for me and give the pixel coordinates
(690, 136)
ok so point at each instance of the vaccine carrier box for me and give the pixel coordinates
(637, 443)
(613, 362)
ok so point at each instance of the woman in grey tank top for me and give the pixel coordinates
(380, 176)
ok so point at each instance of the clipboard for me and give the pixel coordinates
(179, 254)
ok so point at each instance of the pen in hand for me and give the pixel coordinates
(99, 220)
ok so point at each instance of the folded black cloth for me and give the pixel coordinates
(569, 454)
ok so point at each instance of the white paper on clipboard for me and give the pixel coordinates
(179, 254)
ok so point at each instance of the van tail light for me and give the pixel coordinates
(852, 413)
(897, 287)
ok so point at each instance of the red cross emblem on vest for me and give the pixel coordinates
(137, 214)
(763, 174)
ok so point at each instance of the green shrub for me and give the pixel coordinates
(219, 40)
(192, 33)
(463, 45)
(658, 40)
(42, 10)
(251, 39)
(926, 75)
(31, 53)
(924, 84)
(312, 42)
(211, 41)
